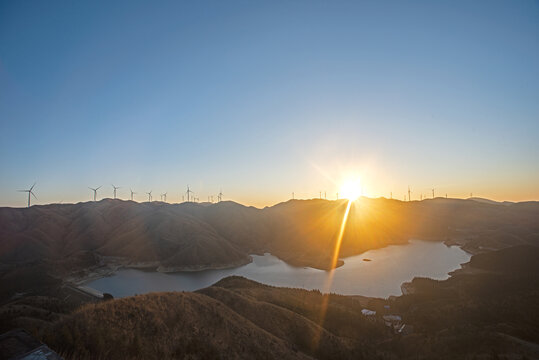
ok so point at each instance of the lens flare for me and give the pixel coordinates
(329, 281)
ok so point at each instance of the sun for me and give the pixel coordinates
(351, 189)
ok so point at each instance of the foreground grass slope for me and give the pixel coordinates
(491, 312)
(228, 320)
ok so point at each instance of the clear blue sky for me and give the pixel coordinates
(265, 98)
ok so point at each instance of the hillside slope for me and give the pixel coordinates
(490, 314)
(301, 232)
(225, 321)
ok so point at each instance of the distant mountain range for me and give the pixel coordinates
(191, 236)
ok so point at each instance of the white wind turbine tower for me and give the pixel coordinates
(95, 190)
(409, 192)
(149, 196)
(30, 192)
(115, 188)
(132, 193)
(188, 192)
(220, 196)
(432, 193)
(164, 197)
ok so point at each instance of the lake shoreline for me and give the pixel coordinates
(259, 272)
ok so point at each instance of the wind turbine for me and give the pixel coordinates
(149, 196)
(115, 188)
(432, 193)
(132, 193)
(95, 190)
(29, 191)
(164, 196)
(409, 192)
(220, 196)
(189, 192)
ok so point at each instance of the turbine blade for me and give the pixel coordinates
(35, 197)
(32, 187)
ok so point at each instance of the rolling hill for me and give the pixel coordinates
(192, 236)
(491, 314)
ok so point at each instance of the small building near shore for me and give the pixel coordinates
(367, 312)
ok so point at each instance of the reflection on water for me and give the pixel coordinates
(381, 277)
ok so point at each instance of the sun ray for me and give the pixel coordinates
(329, 280)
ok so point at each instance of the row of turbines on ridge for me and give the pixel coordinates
(421, 196)
(192, 198)
(189, 193)
(163, 196)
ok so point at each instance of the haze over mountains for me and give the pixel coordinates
(191, 236)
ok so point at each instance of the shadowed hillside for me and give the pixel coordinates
(491, 314)
(235, 318)
(301, 232)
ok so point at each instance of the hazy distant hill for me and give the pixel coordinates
(301, 232)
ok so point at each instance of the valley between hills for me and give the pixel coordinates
(488, 307)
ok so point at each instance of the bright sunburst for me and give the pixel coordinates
(351, 189)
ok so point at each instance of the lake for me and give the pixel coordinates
(381, 277)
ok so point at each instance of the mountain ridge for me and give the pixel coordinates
(300, 232)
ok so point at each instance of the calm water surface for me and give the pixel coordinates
(381, 277)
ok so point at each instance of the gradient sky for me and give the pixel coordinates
(263, 99)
